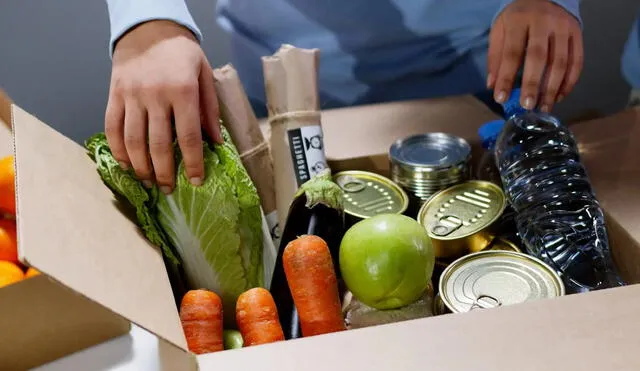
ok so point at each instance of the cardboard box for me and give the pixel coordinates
(76, 234)
(40, 319)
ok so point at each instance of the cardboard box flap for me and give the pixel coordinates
(609, 150)
(459, 115)
(46, 321)
(595, 331)
(71, 229)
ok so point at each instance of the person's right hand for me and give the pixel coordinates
(159, 73)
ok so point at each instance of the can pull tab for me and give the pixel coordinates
(446, 225)
(351, 184)
(485, 302)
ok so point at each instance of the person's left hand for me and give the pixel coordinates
(548, 40)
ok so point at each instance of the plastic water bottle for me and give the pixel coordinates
(488, 171)
(557, 214)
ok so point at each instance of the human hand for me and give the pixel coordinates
(548, 40)
(160, 72)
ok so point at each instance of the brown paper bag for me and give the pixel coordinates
(291, 83)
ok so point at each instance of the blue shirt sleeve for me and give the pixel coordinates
(126, 14)
(571, 6)
(631, 56)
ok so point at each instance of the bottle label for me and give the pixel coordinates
(307, 152)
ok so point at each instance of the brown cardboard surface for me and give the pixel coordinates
(70, 228)
(609, 149)
(42, 321)
(596, 331)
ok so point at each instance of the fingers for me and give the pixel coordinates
(161, 146)
(576, 60)
(135, 140)
(209, 103)
(114, 130)
(511, 58)
(556, 70)
(186, 110)
(534, 65)
(496, 43)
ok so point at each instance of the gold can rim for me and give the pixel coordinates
(503, 241)
(368, 174)
(422, 213)
(542, 267)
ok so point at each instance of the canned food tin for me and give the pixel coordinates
(489, 279)
(439, 267)
(438, 306)
(500, 243)
(459, 219)
(368, 194)
(427, 163)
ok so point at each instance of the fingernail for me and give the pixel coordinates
(196, 181)
(123, 165)
(501, 97)
(147, 183)
(544, 108)
(489, 80)
(560, 98)
(165, 189)
(528, 103)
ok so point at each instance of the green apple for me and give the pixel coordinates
(387, 261)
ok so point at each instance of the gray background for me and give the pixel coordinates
(54, 61)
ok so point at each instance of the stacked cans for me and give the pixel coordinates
(427, 163)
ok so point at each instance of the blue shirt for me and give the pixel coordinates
(370, 50)
(631, 56)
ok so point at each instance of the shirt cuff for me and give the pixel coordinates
(126, 14)
(571, 6)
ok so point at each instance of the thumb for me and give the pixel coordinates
(496, 44)
(209, 103)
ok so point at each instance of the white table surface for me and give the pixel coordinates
(137, 350)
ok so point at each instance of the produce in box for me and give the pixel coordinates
(317, 209)
(214, 230)
(387, 261)
(201, 318)
(257, 318)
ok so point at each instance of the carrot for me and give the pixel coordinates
(257, 317)
(201, 317)
(313, 284)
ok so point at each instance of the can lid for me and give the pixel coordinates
(489, 133)
(430, 150)
(368, 194)
(462, 210)
(495, 278)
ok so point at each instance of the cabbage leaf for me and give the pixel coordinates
(214, 230)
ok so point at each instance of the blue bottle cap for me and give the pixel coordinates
(512, 106)
(489, 133)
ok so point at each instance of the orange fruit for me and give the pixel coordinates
(10, 273)
(32, 272)
(7, 185)
(8, 242)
